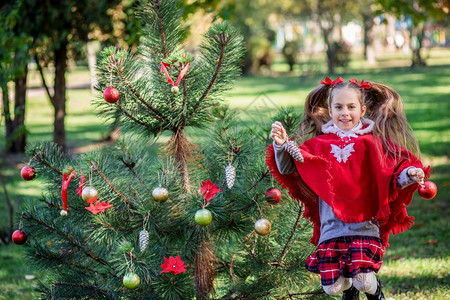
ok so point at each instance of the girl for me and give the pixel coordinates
(355, 176)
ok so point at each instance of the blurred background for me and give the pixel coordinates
(48, 52)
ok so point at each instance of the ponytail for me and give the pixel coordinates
(315, 113)
(385, 108)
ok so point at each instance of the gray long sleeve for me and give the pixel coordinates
(283, 159)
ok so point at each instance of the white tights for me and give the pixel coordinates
(364, 282)
(339, 286)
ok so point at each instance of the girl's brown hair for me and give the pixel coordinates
(384, 107)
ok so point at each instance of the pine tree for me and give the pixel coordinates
(167, 225)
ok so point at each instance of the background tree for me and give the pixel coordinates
(419, 11)
(55, 26)
(148, 218)
(14, 46)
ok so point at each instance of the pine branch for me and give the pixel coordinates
(66, 237)
(40, 158)
(157, 7)
(263, 175)
(84, 286)
(95, 169)
(120, 229)
(283, 253)
(131, 117)
(62, 257)
(223, 41)
(160, 117)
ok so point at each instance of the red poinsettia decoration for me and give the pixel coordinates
(173, 265)
(209, 190)
(81, 184)
(99, 207)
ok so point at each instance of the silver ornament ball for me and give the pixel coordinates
(175, 89)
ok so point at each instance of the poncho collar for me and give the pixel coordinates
(364, 126)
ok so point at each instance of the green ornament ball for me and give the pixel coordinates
(131, 281)
(203, 217)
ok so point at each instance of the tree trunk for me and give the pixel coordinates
(7, 114)
(418, 32)
(92, 58)
(369, 38)
(331, 51)
(204, 271)
(59, 97)
(181, 149)
(19, 131)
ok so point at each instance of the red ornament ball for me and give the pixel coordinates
(27, 173)
(19, 237)
(273, 196)
(111, 94)
(428, 191)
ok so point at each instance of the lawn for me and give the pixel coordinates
(417, 263)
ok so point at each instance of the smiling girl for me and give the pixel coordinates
(355, 175)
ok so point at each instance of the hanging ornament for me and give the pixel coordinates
(273, 196)
(111, 94)
(428, 191)
(98, 207)
(203, 217)
(230, 175)
(173, 265)
(81, 184)
(131, 281)
(160, 194)
(67, 177)
(143, 239)
(19, 237)
(263, 227)
(28, 173)
(183, 72)
(89, 194)
(175, 89)
(293, 149)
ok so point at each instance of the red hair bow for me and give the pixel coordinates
(362, 85)
(332, 83)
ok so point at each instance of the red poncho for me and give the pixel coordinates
(362, 188)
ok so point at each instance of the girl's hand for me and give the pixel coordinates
(278, 133)
(417, 175)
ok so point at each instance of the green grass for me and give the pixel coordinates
(416, 266)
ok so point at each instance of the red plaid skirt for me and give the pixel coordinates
(347, 256)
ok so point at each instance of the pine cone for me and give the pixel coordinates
(230, 175)
(292, 148)
(143, 240)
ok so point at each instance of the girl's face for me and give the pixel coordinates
(345, 109)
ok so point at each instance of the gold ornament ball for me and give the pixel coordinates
(63, 213)
(160, 194)
(263, 227)
(175, 90)
(89, 194)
